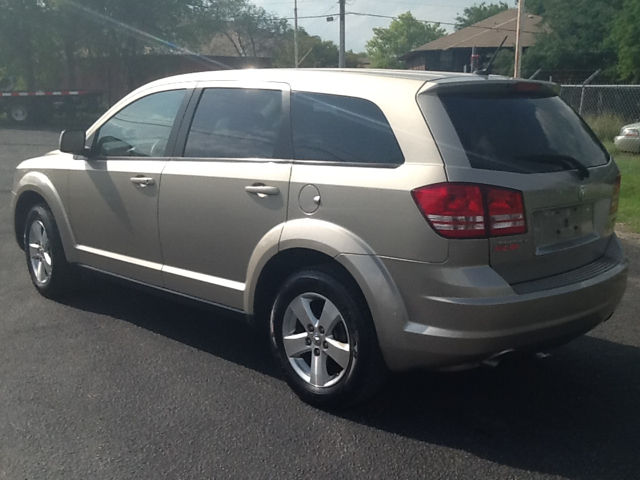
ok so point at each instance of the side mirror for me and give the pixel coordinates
(73, 141)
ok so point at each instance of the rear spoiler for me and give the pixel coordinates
(490, 84)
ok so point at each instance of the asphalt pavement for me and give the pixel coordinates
(113, 383)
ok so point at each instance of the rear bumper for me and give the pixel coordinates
(489, 318)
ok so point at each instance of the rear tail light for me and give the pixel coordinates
(454, 210)
(464, 210)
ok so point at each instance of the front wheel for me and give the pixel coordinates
(324, 339)
(46, 262)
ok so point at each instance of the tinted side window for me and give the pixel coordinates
(235, 123)
(142, 128)
(343, 129)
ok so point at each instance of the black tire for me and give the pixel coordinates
(49, 270)
(343, 378)
(20, 113)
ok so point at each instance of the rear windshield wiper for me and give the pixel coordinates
(583, 172)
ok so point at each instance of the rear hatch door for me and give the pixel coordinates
(522, 136)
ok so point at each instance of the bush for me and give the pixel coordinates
(605, 126)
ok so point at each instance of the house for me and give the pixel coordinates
(453, 52)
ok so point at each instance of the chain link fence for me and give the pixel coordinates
(606, 108)
(596, 100)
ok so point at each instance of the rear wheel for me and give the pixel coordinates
(19, 113)
(48, 267)
(324, 339)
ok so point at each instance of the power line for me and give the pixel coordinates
(310, 16)
(420, 4)
(440, 23)
(325, 14)
(284, 3)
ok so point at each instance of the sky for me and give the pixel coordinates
(359, 29)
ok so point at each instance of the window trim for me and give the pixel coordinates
(284, 139)
(337, 163)
(178, 120)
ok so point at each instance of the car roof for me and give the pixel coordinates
(286, 73)
(299, 78)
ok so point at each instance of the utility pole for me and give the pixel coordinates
(517, 64)
(341, 51)
(475, 59)
(295, 33)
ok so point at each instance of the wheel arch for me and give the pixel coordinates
(310, 243)
(36, 188)
(274, 273)
(293, 245)
(24, 204)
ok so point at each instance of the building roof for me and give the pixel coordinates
(488, 33)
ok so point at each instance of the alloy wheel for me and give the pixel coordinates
(40, 252)
(316, 340)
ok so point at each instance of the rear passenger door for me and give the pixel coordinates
(225, 188)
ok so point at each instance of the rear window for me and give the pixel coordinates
(341, 129)
(524, 133)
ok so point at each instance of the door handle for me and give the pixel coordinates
(262, 190)
(143, 181)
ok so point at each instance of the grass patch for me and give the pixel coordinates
(629, 209)
(605, 126)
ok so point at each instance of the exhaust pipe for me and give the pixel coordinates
(494, 360)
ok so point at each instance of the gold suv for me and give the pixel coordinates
(373, 220)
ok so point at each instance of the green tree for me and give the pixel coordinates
(625, 37)
(478, 12)
(24, 38)
(250, 29)
(124, 29)
(503, 64)
(312, 50)
(38, 36)
(535, 6)
(403, 35)
(576, 35)
(355, 59)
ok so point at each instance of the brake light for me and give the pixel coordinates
(526, 87)
(454, 210)
(464, 210)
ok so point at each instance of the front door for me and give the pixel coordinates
(228, 190)
(113, 196)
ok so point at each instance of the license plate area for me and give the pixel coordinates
(562, 226)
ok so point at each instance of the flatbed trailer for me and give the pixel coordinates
(28, 107)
